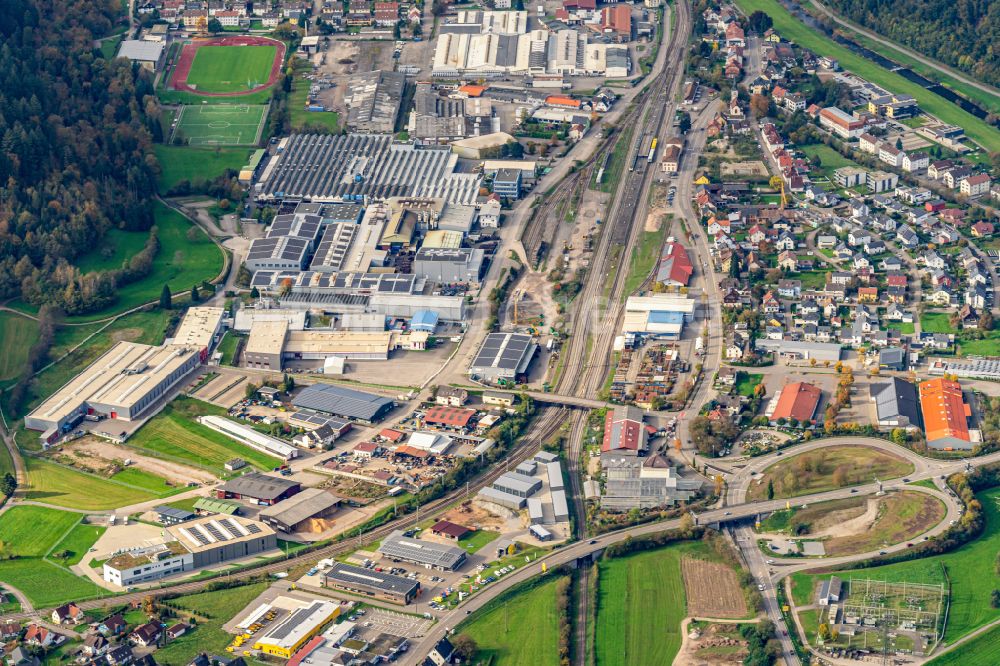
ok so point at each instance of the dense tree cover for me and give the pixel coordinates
(75, 160)
(960, 33)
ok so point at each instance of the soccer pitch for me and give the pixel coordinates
(220, 124)
(223, 69)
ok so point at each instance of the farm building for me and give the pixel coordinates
(449, 530)
(311, 511)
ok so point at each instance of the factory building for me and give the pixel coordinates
(444, 265)
(246, 317)
(371, 583)
(439, 115)
(946, 415)
(121, 384)
(373, 100)
(503, 357)
(199, 329)
(281, 253)
(657, 315)
(344, 402)
(193, 544)
(332, 168)
(425, 553)
(258, 488)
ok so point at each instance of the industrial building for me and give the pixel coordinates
(258, 488)
(199, 329)
(441, 115)
(517, 484)
(334, 247)
(501, 498)
(148, 54)
(503, 357)
(657, 315)
(309, 511)
(624, 432)
(373, 100)
(643, 483)
(246, 317)
(190, 545)
(896, 404)
(390, 294)
(675, 267)
(344, 402)
(428, 554)
(446, 265)
(282, 253)
(801, 349)
(371, 583)
(331, 168)
(121, 384)
(250, 437)
(272, 342)
(287, 636)
(946, 415)
(967, 368)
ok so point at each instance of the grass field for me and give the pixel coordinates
(644, 257)
(14, 357)
(906, 328)
(64, 486)
(231, 68)
(830, 159)
(31, 531)
(500, 631)
(982, 650)
(814, 471)
(157, 485)
(175, 434)
(179, 163)
(300, 116)
(902, 516)
(475, 541)
(970, 570)
(46, 583)
(220, 124)
(637, 593)
(212, 610)
(227, 347)
(792, 29)
(78, 542)
(935, 322)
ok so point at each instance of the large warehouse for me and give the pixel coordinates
(658, 315)
(503, 357)
(344, 402)
(373, 101)
(310, 511)
(247, 436)
(258, 488)
(121, 384)
(371, 583)
(285, 637)
(946, 415)
(428, 554)
(329, 168)
(449, 265)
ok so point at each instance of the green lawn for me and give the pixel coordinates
(983, 649)
(175, 434)
(31, 531)
(640, 605)
(300, 116)
(791, 28)
(231, 68)
(475, 541)
(935, 322)
(746, 382)
(155, 484)
(46, 583)
(988, 346)
(64, 486)
(212, 610)
(810, 279)
(227, 347)
(78, 542)
(904, 328)
(13, 358)
(830, 159)
(970, 569)
(645, 257)
(179, 163)
(523, 630)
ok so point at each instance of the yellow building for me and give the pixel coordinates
(286, 637)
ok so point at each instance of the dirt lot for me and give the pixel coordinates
(712, 589)
(755, 168)
(98, 456)
(898, 517)
(714, 645)
(473, 516)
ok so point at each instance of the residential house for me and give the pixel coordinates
(68, 614)
(974, 185)
(146, 634)
(43, 637)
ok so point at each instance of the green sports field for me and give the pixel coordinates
(220, 124)
(223, 69)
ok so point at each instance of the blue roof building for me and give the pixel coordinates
(424, 320)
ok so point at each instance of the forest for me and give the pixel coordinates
(76, 133)
(962, 33)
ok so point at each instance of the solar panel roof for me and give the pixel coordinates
(502, 350)
(342, 401)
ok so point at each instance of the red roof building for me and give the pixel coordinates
(580, 4)
(563, 101)
(624, 432)
(449, 417)
(617, 19)
(796, 401)
(391, 435)
(946, 415)
(449, 530)
(675, 266)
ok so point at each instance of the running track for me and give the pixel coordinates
(178, 80)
